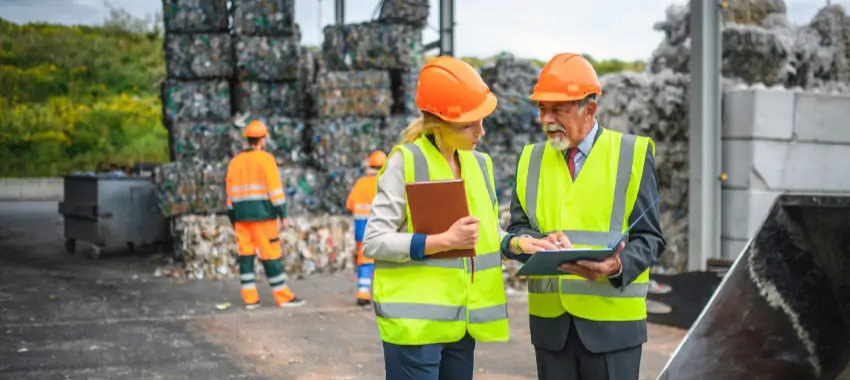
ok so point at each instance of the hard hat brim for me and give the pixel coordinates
(485, 109)
(553, 97)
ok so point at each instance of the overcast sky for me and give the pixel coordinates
(602, 28)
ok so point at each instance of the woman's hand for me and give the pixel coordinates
(530, 246)
(462, 234)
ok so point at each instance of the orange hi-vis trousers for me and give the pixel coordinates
(262, 237)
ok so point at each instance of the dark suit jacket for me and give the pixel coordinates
(644, 245)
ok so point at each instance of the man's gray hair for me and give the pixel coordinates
(592, 98)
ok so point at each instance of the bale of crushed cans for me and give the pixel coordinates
(309, 244)
(347, 142)
(266, 98)
(205, 140)
(371, 46)
(410, 12)
(264, 17)
(194, 16)
(199, 56)
(268, 58)
(353, 93)
(196, 100)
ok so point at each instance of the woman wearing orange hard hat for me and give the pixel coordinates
(431, 311)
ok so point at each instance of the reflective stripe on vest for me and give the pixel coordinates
(407, 314)
(597, 238)
(596, 300)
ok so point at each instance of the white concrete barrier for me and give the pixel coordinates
(31, 189)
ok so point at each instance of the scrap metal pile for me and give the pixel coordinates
(323, 117)
(760, 47)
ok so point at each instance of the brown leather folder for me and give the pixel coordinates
(435, 206)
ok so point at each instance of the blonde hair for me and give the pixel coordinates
(423, 125)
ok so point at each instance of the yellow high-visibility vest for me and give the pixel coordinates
(592, 211)
(438, 300)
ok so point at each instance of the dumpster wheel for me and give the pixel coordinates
(70, 246)
(95, 252)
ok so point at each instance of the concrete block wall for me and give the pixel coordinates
(31, 189)
(776, 141)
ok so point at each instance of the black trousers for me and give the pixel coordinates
(449, 361)
(575, 362)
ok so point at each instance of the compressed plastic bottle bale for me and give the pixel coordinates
(212, 197)
(195, 16)
(512, 80)
(371, 46)
(286, 137)
(338, 184)
(256, 97)
(196, 100)
(198, 56)
(205, 141)
(264, 17)
(176, 187)
(300, 187)
(353, 93)
(347, 142)
(404, 84)
(411, 12)
(754, 54)
(268, 58)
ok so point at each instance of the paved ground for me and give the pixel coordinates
(67, 317)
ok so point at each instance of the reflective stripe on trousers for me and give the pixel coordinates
(618, 211)
(571, 286)
(440, 313)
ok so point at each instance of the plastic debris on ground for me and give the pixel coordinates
(196, 100)
(347, 142)
(309, 244)
(191, 187)
(353, 93)
(410, 12)
(195, 16)
(268, 58)
(371, 46)
(264, 17)
(263, 98)
(196, 56)
(206, 141)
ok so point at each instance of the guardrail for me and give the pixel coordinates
(31, 189)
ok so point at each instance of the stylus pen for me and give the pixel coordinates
(614, 243)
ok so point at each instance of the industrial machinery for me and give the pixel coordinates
(109, 209)
(783, 310)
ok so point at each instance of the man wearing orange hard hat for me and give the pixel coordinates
(582, 188)
(256, 205)
(359, 202)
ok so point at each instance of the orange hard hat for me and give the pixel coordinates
(377, 159)
(566, 77)
(256, 129)
(453, 90)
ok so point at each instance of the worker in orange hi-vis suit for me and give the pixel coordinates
(256, 205)
(359, 202)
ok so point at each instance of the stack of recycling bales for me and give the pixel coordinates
(197, 111)
(197, 106)
(515, 121)
(365, 93)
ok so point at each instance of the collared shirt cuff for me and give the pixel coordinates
(417, 247)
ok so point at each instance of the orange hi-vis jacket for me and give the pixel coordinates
(359, 202)
(254, 188)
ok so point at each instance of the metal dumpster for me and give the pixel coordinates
(110, 210)
(783, 310)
